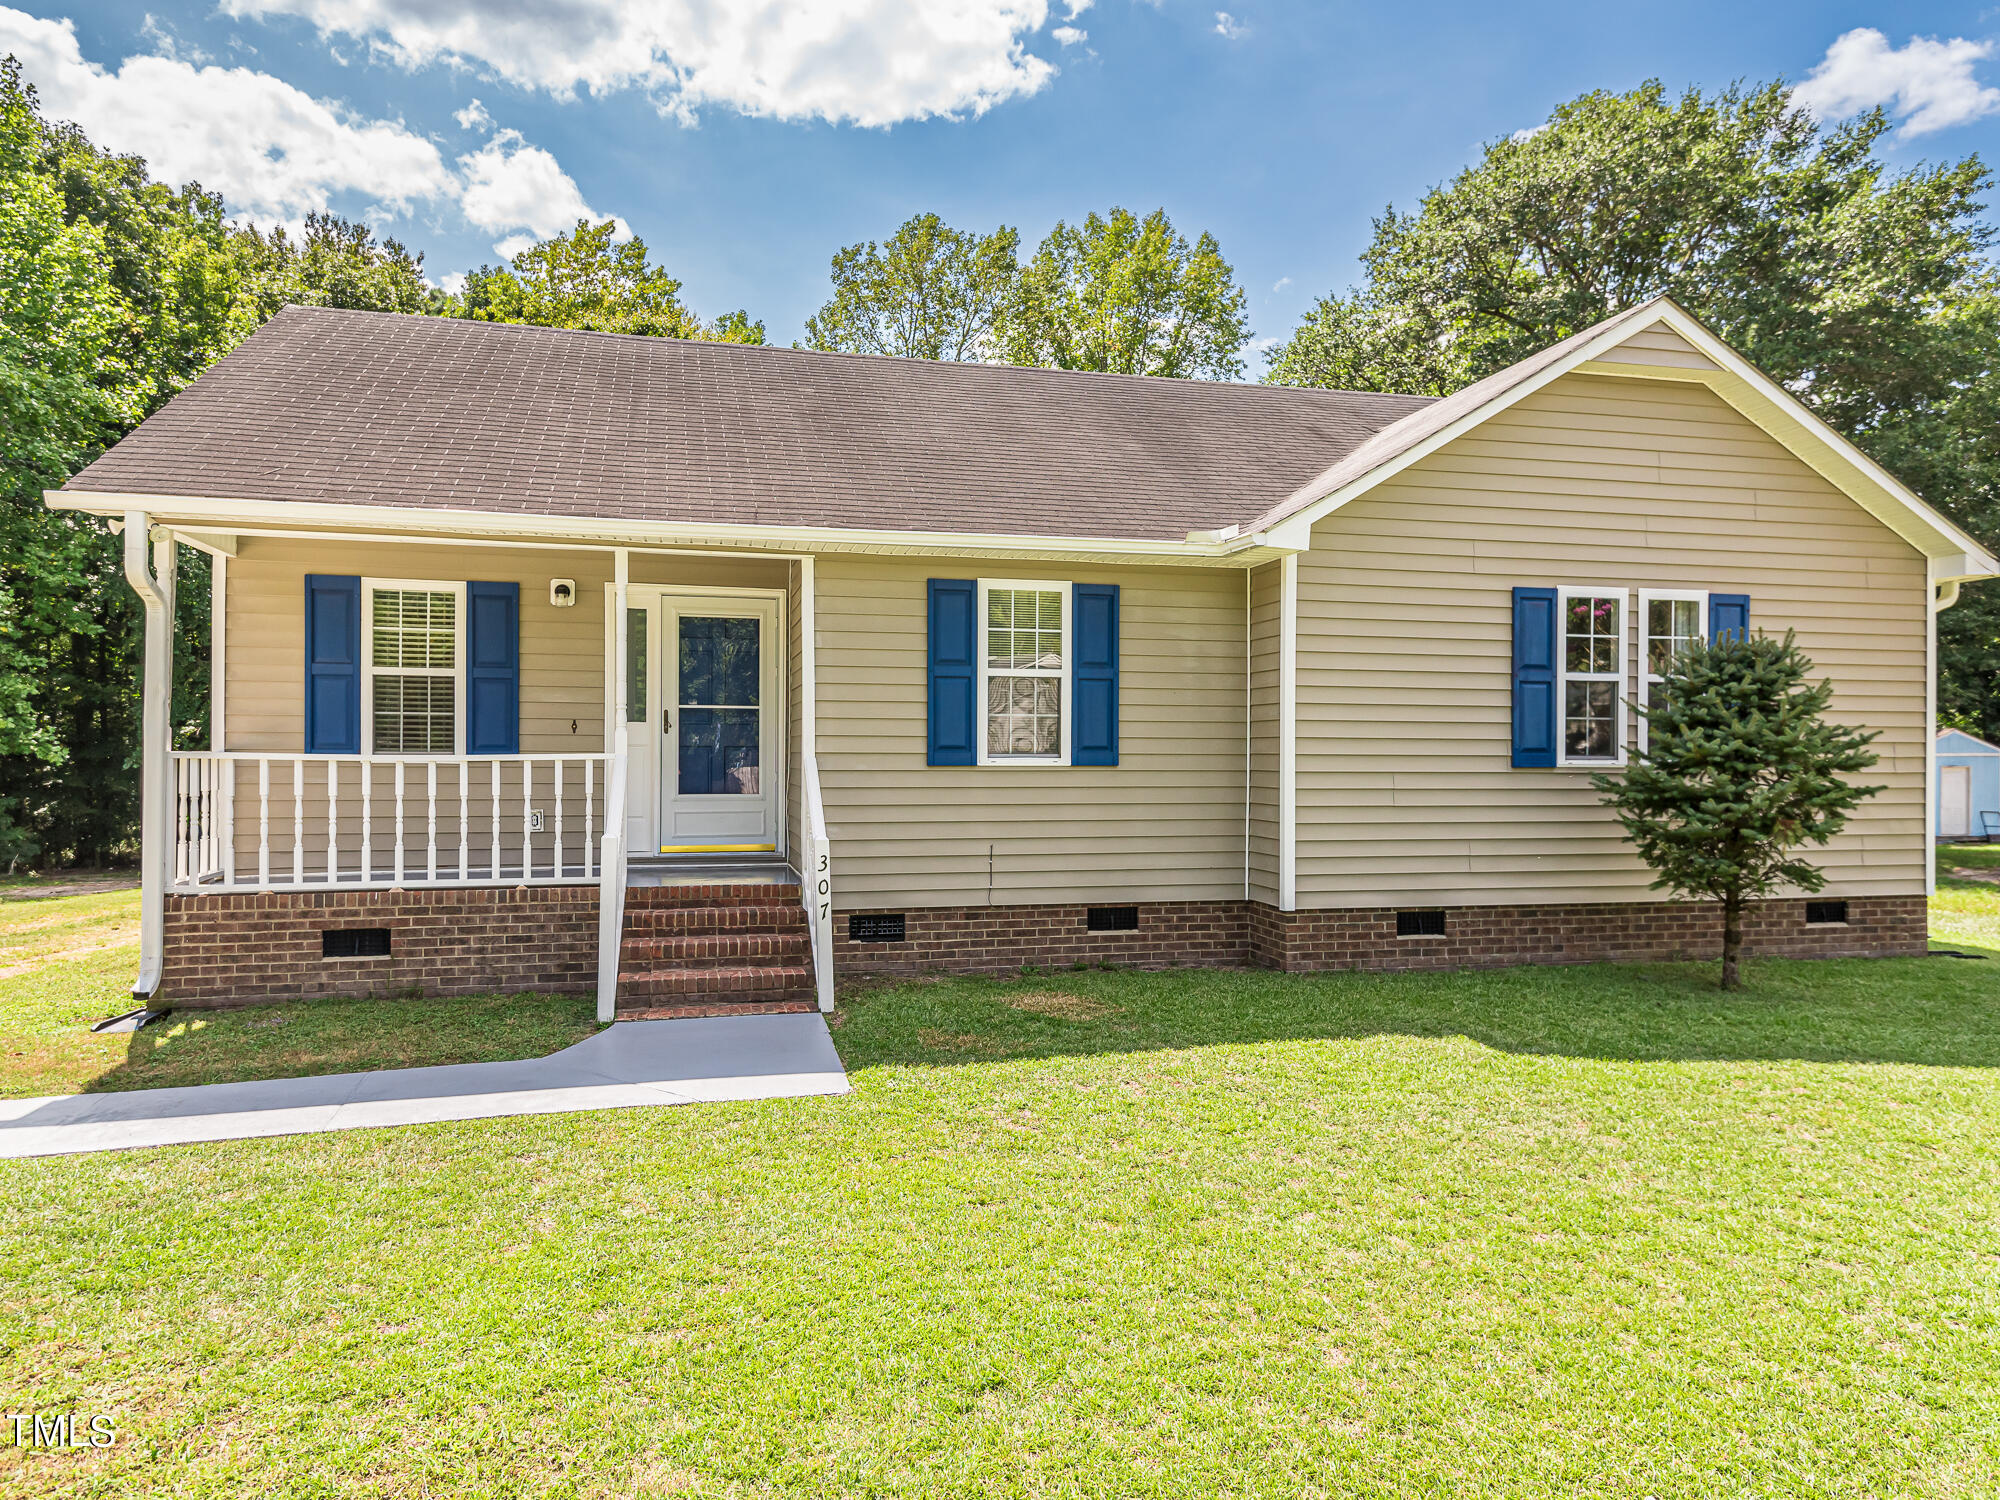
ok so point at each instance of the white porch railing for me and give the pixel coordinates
(292, 822)
(816, 882)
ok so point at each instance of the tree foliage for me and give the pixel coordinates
(1127, 295)
(584, 279)
(932, 292)
(1740, 773)
(1868, 293)
(115, 292)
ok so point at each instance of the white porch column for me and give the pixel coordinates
(611, 878)
(156, 843)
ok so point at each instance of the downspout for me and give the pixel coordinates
(155, 835)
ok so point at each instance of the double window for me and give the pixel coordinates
(1591, 682)
(1024, 657)
(413, 641)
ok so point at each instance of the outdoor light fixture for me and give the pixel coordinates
(562, 592)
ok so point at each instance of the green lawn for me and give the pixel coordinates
(1542, 1232)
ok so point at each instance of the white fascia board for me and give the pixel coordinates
(1954, 554)
(212, 512)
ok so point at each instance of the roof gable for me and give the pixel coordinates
(1657, 340)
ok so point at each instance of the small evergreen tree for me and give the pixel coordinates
(1740, 773)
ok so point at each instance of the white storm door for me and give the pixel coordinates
(643, 711)
(1956, 788)
(720, 765)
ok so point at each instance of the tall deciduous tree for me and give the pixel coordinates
(932, 292)
(1127, 295)
(115, 292)
(1868, 293)
(584, 279)
(1740, 773)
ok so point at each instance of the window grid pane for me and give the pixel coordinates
(1593, 626)
(1024, 630)
(415, 629)
(1590, 635)
(415, 714)
(1672, 625)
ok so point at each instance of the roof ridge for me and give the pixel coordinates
(540, 329)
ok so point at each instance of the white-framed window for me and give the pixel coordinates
(1024, 664)
(1669, 619)
(412, 646)
(1590, 652)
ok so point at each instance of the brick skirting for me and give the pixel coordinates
(1003, 939)
(246, 947)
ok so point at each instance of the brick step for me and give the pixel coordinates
(639, 955)
(676, 1010)
(699, 921)
(649, 897)
(721, 984)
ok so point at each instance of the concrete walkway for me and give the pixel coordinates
(626, 1066)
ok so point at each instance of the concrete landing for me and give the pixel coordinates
(629, 1065)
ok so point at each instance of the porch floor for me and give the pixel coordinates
(705, 869)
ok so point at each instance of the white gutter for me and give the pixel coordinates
(212, 513)
(155, 830)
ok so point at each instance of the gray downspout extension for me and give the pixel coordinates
(154, 832)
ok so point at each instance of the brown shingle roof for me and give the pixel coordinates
(379, 409)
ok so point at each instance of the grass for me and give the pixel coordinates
(1538, 1232)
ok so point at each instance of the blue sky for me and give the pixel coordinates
(745, 154)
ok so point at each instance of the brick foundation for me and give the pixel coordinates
(247, 947)
(1003, 939)
(1000, 939)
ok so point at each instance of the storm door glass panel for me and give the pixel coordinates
(720, 663)
(636, 676)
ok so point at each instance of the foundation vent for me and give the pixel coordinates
(1826, 914)
(354, 942)
(875, 927)
(1419, 924)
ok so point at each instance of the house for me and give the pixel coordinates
(1968, 786)
(697, 673)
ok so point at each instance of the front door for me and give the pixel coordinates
(719, 766)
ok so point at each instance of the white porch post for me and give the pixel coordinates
(611, 883)
(156, 843)
(1288, 734)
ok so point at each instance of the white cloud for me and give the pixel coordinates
(1229, 28)
(1281, 283)
(472, 117)
(1527, 133)
(452, 282)
(1069, 36)
(272, 151)
(510, 185)
(1926, 84)
(869, 62)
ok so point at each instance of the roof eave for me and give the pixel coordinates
(238, 514)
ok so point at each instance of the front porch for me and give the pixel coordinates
(505, 759)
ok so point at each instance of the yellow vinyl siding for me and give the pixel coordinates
(562, 650)
(1266, 607)
(1164, 824)
(1657, 344)
(1406, 795)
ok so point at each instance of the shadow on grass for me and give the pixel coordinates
(310, 1038)
(1932, 1012)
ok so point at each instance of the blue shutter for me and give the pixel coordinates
(333, 665)
(1534, 677)
(1728, 613)
(954, 638)
(492, 668)
(1093, 735)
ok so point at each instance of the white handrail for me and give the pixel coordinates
(611, 886)
(817, 886)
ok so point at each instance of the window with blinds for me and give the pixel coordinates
(413, 671)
